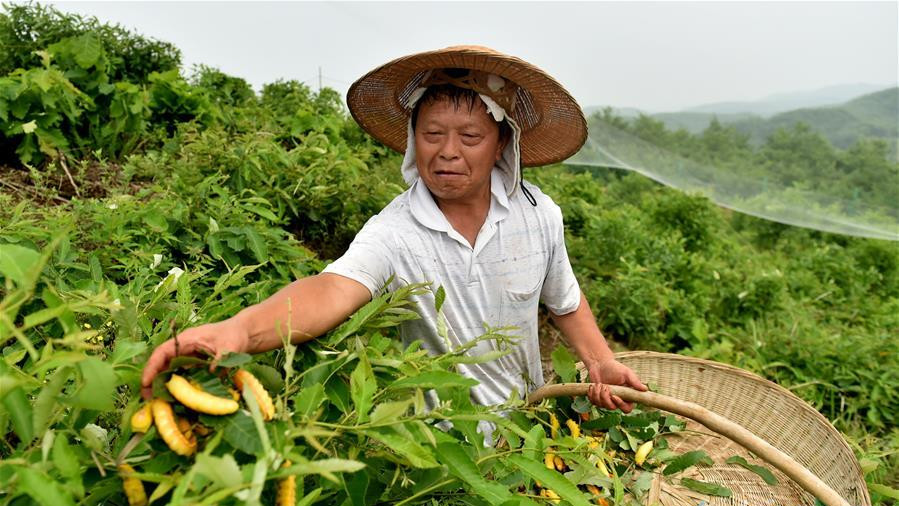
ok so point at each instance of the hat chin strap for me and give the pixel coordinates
(510, 160)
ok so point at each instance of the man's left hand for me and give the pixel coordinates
(612, 372)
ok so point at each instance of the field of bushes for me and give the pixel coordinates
(137, 199)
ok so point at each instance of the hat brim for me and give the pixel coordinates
(553, 124)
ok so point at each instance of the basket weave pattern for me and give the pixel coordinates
(766, 409)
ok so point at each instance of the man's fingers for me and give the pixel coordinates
(606, 396)
(188, 344)
(158, 361)
(634, 382)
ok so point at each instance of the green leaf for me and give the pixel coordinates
(326, 466)
(884, 490)
(98, 385)
(704, 487)
(338, 393)
(234, 360)
(64, 458)
(42, 488)
(461, 466)
(362, 388)
(766, 475)
(17, 263)
(358, 319)
(267, 375)
(47, 400)
(126, 350)
(417, 455)
(549, 479)
(94, 437)
(261, 211)
(309, 399)
(434, 379)
(240, 432)
(19, 409)
(223, 471)
(87, 50)
(563, 364)
(686, 460)
(356, 486)
(390, 411)
(311, 497)
(439, 297)
(256, 243)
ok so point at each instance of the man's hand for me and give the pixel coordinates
(304, 309)
(612, 372)
(212, 340)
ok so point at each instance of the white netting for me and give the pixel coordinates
(764, 197)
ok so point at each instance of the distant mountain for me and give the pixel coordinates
(696, 122)
(783, 102)
(869, 115)
(872, 115)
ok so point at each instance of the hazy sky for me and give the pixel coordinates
(656, 56)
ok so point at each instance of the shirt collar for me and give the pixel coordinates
(425, 210)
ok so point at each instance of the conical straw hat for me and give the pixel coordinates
(552, 123)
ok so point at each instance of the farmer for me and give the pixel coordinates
(467, 119)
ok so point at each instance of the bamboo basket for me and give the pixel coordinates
(807, 453)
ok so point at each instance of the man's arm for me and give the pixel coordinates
(313, 305)
(579, 327)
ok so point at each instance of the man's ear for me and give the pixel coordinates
(501, 146)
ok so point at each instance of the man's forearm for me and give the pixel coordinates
(303, 310)
(580, 328)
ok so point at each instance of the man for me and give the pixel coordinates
(467, 119)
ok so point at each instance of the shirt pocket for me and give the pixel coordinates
(519, 306)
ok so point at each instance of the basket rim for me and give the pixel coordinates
(828, 427)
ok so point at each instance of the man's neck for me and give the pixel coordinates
(466, 216)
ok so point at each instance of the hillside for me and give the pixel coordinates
(873, 115)
(783, 102)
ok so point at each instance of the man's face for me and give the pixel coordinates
(455, 149)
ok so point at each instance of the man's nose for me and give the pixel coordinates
(449, 150)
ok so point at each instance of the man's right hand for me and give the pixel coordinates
(308, 307)
(211, 340)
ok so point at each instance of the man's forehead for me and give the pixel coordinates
(472, 109)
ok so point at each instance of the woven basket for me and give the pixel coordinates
(765, 409)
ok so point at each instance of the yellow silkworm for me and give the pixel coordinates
(134, 488)
(142, 419)
(642, 453)
(266, 407)
(197, 399)
(168, 429)
(287, 489)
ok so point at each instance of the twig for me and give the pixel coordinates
(65, 167)
(25, 189)
(174, 335)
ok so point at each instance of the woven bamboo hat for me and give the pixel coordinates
(553, 126)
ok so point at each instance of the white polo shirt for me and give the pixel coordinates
(518, 259)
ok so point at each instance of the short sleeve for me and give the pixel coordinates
(367, 260)
(561, 292)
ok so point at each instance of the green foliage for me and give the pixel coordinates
(26, 29)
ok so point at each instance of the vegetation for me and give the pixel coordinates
(870, 115)
(137, 202)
